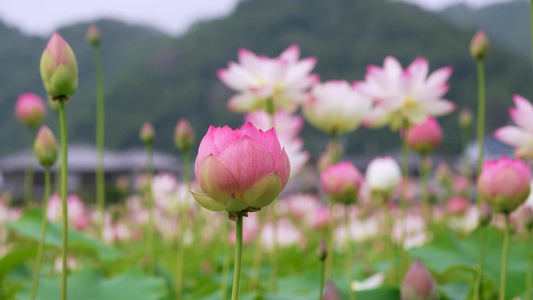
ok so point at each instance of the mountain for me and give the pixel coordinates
(507, 24)
(152, 76)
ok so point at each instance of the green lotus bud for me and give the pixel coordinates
(479, 47)
(147, 133)
(59, 69)
(45, 147)
(184, 135)
(322, 251)
(93, 35)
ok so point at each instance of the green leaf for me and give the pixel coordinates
(15, 258)
(88, 284)
(29, 225)
(446, 253)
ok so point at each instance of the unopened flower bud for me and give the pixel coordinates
(419, 284)
(59, 69)
(93, 35)
(147, 133)
(45, 147)
(485, 214)
(424, 137)
(341, 182)
(322, 251)
(331, 292)
(465, 118)
(30, 110)
(479, 47)
(184, 135)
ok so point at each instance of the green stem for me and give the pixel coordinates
(238, 258)
(465, 163)
(100, 129)
(64, 190)
(322, 278)
(181, 250)
(44, 223)
(28, 177)
(226, 263)
(349, 258)
(504, 258)
(481, 257)
(256, 269)
(274, 254)
(424, 170)
(331, 229)
(403, 202)
(480, 118)
(151, 218)
(187, 168)
(387, 234)
(529, 278)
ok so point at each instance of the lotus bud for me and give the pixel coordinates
(93, 35)
(383, 176)
(322, 251)
(341, 182)
(331, 292)
(59, 69)
(479, 47)
(419, 284)
(444, 174)
(30, 110)
(457, 206)
(45, 147)
(425, 137)
(147, 133)
(465, 118)
(183, 135)
(504, 184)
(528, 218)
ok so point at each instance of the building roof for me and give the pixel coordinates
(82, 159)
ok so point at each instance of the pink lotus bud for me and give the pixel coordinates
(45, 147)
(322, 251)
(93, 35)
(461, 184)
(485, 214)
(331, 292)
(504, 183)
(184, 135)
(59, 69)
(242, 169)
(147, 133)
(465, 118)
(383, 175)
(424, 137)
(479, 47)
(341, 182)
(321, 218)
(443, 174)
(457, 205)
(419, 284)
(30, 110)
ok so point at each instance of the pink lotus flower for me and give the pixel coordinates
(408, 95)
(341, 182)
(504, 184)
(424, 137)
(287, 126)
(59, 69)
(77, 211)
(30, 110)
(321, 218)
(457, 205)
(336, 107)
(520, 137)
(242, 169)
(284, 80)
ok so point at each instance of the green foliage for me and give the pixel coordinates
(29, 225)
(88, 284)
(454, 259)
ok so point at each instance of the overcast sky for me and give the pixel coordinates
(172, 16)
